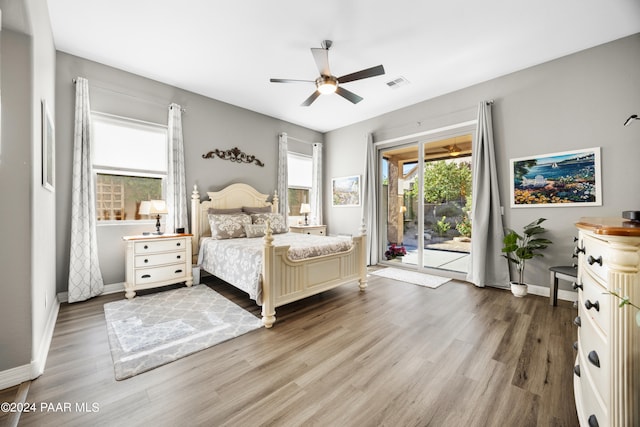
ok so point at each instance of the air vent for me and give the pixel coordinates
(396, 83)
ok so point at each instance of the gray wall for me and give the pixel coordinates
(27, 288)
(207, 124)
(578, 101)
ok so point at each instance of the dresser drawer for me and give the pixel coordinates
(594, 354)
(591, 405)
(160, 274)
(152, 260)
(596, 297)
(595, 257)
(163, 245)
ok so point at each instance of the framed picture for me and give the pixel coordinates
(48, 149)
(569, 178)
(345, 191)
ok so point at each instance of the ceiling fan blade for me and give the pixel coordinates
(348, 95)
(310, 99)
(362, 74)
(321, 56)
(289, 81)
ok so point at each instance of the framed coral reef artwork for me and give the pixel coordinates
(569, 178)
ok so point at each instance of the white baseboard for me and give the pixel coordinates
(108, 289)
(545, 292)
(33, 370)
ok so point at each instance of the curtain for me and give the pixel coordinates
(283, 177)
(370, 202)
(176, 186)
(488, 267)
(316, 184)
(85, 278)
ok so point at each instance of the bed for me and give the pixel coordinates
(277, 268)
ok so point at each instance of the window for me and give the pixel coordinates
(300, 170)
(130, 162)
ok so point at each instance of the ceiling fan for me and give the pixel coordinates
(328, 83)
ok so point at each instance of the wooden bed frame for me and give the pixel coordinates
(283, 280)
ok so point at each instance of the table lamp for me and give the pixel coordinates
(305, 208)
(154, 207)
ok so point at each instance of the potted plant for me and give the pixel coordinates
(520, 248)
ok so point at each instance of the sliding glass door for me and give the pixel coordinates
(426, 198)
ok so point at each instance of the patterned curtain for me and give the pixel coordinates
(176, 185)
(85, 278)
(316, 184)
(370, 202)
(283, 185)
(487, 267)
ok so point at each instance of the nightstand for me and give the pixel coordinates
(320, 230)
(157, 260)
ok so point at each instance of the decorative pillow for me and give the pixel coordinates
(256, 209)
(224, 226)
(255, 230)
(276, 220)
(219, 211)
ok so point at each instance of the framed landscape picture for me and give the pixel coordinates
(345, 191)
(569, 178)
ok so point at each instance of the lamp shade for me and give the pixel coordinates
(305, 208)
(153, 207)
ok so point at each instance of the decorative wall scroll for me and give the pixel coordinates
(234, 154)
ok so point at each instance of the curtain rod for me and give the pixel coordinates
(153, 101)
(300, 140)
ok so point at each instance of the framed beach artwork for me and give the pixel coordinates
(345, 191)
(569, 178)
(48, 149)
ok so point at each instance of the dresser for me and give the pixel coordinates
(320, 230)
(157, 260)
(607, 367)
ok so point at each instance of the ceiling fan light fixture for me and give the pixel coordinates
(454, 150)
(326, 84)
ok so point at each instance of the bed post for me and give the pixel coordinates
(274, 202)
(195, 223)
(363, 256)
(268, 273)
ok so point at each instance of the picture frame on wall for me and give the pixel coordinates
(345, 191)
(48, 149)
(563, 179)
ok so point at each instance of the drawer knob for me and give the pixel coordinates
(591, 260)
(576, 370)
(146, 276)
(593, 421)
(575, 239)
(577, 286)
(146, 247)
(146, 261)
(178, 244)
(575, 345)
(578, 250)
(178, 271)
(178, 257)
(594, 359)
(577, 321)
(589, 305)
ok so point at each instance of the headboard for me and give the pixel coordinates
(232, 196)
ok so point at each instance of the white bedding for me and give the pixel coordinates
(239, 261)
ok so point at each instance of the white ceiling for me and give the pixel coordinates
(228, 50)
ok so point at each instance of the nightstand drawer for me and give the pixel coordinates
(151, 260)
(592, 405)
(159, 274)
(160, 246)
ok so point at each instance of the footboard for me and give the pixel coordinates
(285, 280)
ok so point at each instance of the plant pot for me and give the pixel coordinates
(518, 290)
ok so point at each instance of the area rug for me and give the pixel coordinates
(414, 277)
(153, 330)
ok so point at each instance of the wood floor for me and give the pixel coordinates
(395, 355)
